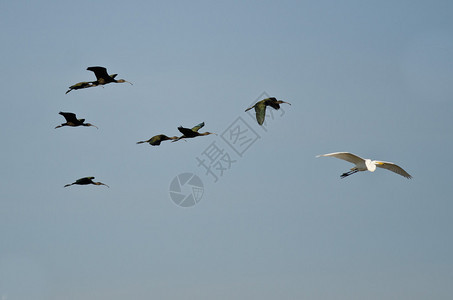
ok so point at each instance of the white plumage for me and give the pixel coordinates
(362, 164)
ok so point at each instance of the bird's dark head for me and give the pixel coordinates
(208, 133)
(89, 124)
(100, 183)
(122, 80)
(281, 101)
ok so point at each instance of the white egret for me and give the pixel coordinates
(362, 164)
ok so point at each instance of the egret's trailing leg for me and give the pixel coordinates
(349, 173)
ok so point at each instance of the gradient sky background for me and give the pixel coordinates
(370, 77)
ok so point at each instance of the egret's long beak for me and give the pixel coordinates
(286, 102)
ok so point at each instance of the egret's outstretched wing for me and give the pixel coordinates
(197, 127)
(70, 117)
(394, 168)
(352, 158)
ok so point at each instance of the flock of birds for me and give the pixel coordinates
(102, 78)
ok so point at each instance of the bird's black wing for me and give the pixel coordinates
(272, 102)
(269, 101)
(186, 131)
(69, 116)
(84, 180)
(274, 105)
(99, 72)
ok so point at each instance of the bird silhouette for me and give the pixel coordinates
(157, 139)
(81, 85)
(260, 107)
(191, 132)
(85, 181)
(102, 77)
(362, 164)
(71, 120)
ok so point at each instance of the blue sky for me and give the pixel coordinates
(374, 79)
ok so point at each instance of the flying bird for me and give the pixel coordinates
(260, 107)
(71, 120)
(362, 164)
(81, 85)
(102, 77)
(85, 181)
(191, 132)
(157, 139)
